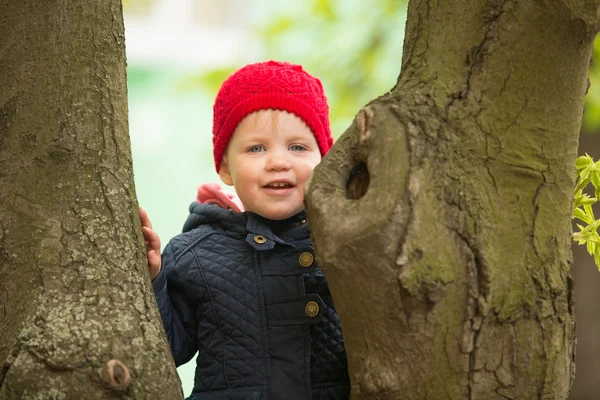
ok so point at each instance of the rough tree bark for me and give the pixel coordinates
(78, 319)
(442, 216)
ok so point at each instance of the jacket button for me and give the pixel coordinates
(260, 239)
(306, 259)
(311, 309)
(303, 222)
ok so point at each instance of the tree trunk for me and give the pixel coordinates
(442, 216)
(78, 318)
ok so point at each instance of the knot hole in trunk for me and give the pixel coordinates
(358, 181)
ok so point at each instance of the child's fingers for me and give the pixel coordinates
(152, 242)
(153, 258)
(144, 219)
(147, 232)
(153, 264)
(151, 238)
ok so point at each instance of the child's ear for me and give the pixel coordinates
(224, 172)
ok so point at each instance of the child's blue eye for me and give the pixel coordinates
(256, 149)
(297, 147)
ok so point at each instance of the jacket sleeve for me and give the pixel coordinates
(176, 311)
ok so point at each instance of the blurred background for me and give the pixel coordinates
(179, 52)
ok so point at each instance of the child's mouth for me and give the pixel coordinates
(279, 188)
(279, 185)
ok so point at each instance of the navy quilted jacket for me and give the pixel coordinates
(245, 293)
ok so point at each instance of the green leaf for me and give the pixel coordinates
(577, 238)
(585, 233)
(585, 173)
(591, 247)
(589, 211)
(583, 162)
(596, 179)
(578, 213)
(597, 257)
(582, 231)
(581, 184)
(587, 200)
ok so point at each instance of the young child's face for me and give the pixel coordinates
(268, 160)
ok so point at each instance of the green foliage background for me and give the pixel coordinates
(591, 116)
(354, 47)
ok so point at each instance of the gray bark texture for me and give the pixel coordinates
(78, 319)
(442, 216)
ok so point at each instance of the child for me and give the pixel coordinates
(242, 288)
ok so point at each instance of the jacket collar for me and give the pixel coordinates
(248, 223)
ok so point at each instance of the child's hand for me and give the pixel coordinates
(152, 245)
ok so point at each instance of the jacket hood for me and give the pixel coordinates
(201, 213)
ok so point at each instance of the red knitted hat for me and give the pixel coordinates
(270, 85)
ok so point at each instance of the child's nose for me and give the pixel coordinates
(278, 161)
